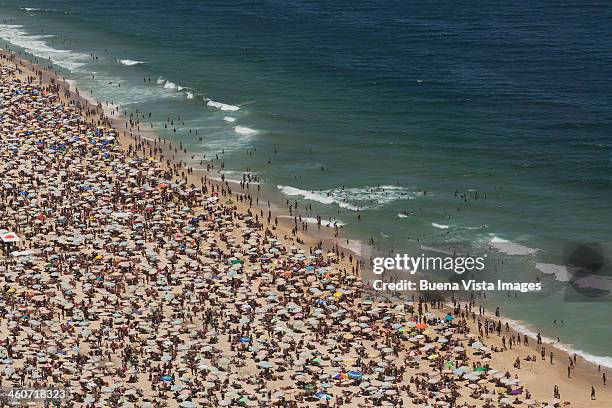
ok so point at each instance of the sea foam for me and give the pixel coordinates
(511, 248)
(243, 130)
(440, 226)
(35, 45)
(324, 222)
(221, 106)
(129, 62)
(561, 273)
(354, 199)
(308, 195)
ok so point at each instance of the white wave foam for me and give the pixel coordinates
(35, 45)
(189, 95)
(129, 62)
(511, 248)
(229, 119)
(324, 222)
(180, 88)
(170, 85)
(400, 215)
(440, 226)
(35, 9)
(243, 130)
(308, 195)
(353, 199)
(160, 80)
(128, 93)
(221, 106)
(562, 273)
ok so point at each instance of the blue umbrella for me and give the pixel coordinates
(166, 378)
(245, 339)
(355, 375)
(322, 395)
(449, 318)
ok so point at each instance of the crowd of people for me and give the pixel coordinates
(126, 285)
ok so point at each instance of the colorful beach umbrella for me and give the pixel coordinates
(355, 375)
(322, 395)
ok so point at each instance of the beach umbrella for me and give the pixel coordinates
(322, 395)
(265, 364)
(355, 375)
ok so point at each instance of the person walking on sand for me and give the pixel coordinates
(592, 393)
(551, 357)
(603, 377)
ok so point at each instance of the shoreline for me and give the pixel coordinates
(325, 234)
(127, 142)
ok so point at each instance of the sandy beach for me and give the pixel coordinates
(129, 279)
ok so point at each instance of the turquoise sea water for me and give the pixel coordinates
(486, 125)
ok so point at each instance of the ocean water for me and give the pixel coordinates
(439, 123)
